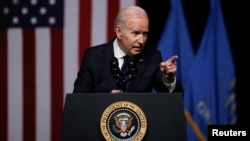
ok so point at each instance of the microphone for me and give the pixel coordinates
(114, 67)
(115, 71)
(118, 75)
(132, 69)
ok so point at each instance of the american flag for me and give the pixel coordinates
(41, 45)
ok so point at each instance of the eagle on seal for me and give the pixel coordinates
(123, 123)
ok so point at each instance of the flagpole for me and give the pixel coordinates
(194, 126)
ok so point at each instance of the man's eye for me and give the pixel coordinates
(137, 33)
(145, 33)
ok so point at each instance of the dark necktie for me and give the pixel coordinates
(124, 73)
(124, 68)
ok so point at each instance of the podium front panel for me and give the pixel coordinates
(164, 113)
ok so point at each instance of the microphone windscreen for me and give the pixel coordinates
(114, 66)
(132, 66)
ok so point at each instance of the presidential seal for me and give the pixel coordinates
(123, 121)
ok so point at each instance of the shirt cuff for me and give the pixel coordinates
(170, 86)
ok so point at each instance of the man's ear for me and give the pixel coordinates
(118, 31)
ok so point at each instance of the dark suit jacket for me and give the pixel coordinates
(95, 75)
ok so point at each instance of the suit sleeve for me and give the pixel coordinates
(83, 82)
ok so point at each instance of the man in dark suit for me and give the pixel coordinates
(101, 65)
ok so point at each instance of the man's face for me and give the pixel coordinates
(132, 35)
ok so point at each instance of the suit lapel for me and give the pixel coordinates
(108, 53)
(141, 65)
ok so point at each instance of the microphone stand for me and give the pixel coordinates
(121, 82)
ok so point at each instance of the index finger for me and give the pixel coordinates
(173, 58)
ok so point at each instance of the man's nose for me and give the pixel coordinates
(141, 39)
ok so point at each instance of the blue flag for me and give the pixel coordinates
(175, 40)
(211, 77)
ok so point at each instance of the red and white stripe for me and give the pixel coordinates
(38, 68)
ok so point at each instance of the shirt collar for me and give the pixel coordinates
(118, 53)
